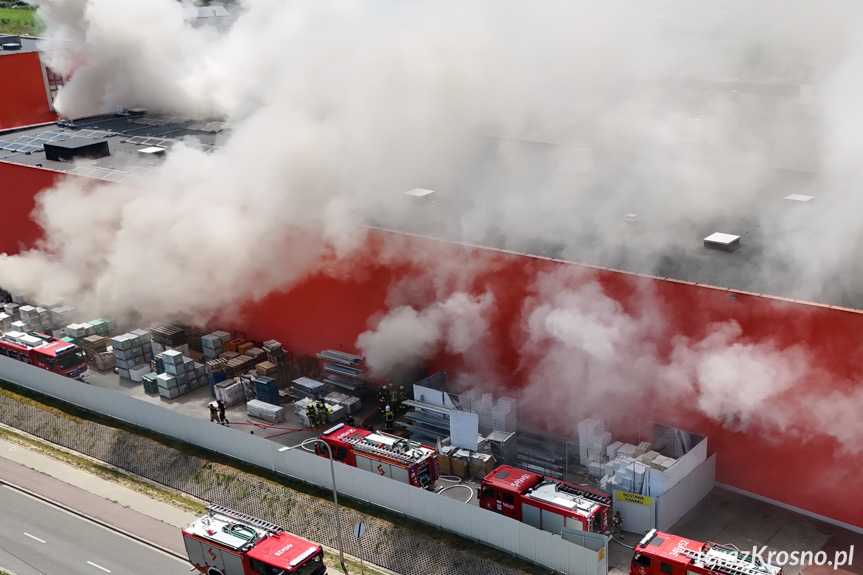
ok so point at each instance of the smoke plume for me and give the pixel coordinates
(541, 125)
(407, 336)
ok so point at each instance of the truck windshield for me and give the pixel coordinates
(70, 359)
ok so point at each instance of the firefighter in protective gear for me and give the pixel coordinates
(402, 395)
(389, 418)
(312, 415)
(617, 524)
(322, 413)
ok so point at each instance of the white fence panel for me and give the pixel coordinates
(458, 520)
(678, 500)
(637, 518)
(504, 533)
(527, 542)
(479, 520)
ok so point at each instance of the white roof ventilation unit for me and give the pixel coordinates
(421, 195)
(720, 241)
(151, 152)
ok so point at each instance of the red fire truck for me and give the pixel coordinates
(227, 542)
(395, 457)
(663, 554)
(545, 503)
(40, 350)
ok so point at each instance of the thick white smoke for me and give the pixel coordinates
(407, 336)
(540, 124)
(594, 357)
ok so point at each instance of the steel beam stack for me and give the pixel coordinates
(342, 369)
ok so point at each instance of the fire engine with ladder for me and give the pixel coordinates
(227, 542)
(388, 455)
(664, 554)
(44, 351)
(545, 503)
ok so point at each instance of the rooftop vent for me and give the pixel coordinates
(421, 195)
(723, 242)
(631, 222)
(152, 152)
(9, 42)
(76, 149)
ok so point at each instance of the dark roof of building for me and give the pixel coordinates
(126, 136)
(24, 44)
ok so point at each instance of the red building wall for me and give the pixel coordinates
(808, 471)
(23, 100)
(18, 188)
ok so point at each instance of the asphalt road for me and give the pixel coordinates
(37, 538)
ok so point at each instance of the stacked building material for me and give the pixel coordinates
(213, 344)
(168, 386)
(30, 317)
(593, 441)
(78, 331)
(158, 364)
(130, 351)
(104, 326)
(189, 374)
(279, 357)
(267, 390)
(351, 403)
(242, 348)
(230, 392)
(62, 315)
(503, 446)
(166, 336)
(12, 310)
(233, 344)
(6, 321)
(265, 369)
(503, 415)
(265, 410)
(301, 404)
(305, 387)
(342, 369)
(239, 365)
(138, 372)
(105, 361)
(150, 382)
(215, 369)
(193, 339)
(257, 354)
(93, 346)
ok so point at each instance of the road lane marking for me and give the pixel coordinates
(34, 537)
(98, 567)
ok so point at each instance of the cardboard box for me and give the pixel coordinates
(459, 467)
(445, 464)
